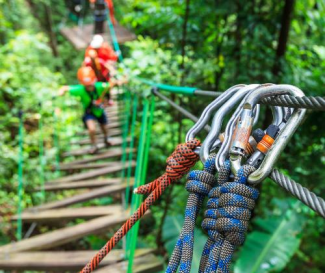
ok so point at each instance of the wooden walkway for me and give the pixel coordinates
(77, 215)
(80, 37)
(74, 260)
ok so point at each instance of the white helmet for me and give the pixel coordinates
(97, 41)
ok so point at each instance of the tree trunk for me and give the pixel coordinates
(49, 30)
(283, 37)
(281, 50)
(48, 24)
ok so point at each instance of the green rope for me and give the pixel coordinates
(20, 176)
(41, 156)
(136, 199)
(124, 146)
(131, 147)
(170, 88)
(148, 139)
(114, 37)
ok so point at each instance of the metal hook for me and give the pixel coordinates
(244, 128)
(209, 110)
(218, 119)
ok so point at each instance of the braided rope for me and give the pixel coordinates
(313, 103)
(307, 197)
(179, 163)
(226, 219)
(199, 183)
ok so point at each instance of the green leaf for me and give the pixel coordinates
(272, 243)
(171, 231)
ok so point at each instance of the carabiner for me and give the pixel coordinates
(209, 110)
(244, 128)
(223, 153)
(218, 119)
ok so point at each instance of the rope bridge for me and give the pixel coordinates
(231, 199)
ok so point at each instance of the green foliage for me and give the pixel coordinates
(273, 241)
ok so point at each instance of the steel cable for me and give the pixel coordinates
(303, 194)
(312, 103)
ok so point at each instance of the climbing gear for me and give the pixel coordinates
(199, 184)
(86, 75)
(226, 219)
(223, 152)
(244, 127)
(218, 118)
(209, 110)
(179, 163)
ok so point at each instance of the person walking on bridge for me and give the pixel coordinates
(91, 93)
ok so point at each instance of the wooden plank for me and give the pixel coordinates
(109, 126)
(85, 151)
(118, 166)
(65, 235)
(81, 37)
(81, 197)
(113, 152)
(60, 261)
(144, 264)
(113, 132)
(87, 166)
(68, 214)
(88, 184)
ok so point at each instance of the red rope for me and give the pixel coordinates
(178, 164)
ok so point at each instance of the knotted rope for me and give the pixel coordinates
(199, 185)
(179, 163)
(226, 219)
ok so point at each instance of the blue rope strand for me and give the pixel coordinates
(199, 184)
(226, 219)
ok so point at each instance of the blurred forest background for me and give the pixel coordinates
(228, 42)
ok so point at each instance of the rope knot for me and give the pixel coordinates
(229, 207)
(179, 163)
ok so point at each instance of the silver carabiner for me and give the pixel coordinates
(218, 119)
(244, 128)
(209, 110)
(223, 153)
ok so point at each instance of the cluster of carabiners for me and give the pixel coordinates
(242, 157)
(239, 142)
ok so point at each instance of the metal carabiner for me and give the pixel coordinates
(209, 110)
(218, 119)
(244, 128)
(223, 153)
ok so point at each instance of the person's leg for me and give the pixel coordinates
(103, 126)
(91, 126)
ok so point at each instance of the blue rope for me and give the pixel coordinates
(226, 219)
(199, 185)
